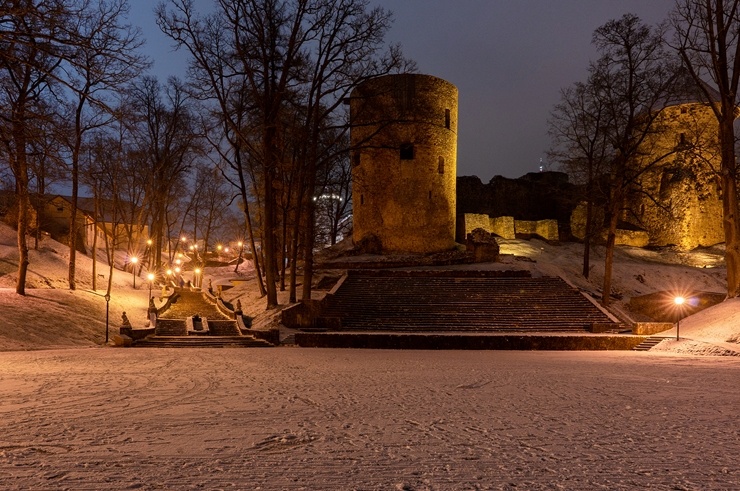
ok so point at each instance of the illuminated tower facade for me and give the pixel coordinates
(404, 162)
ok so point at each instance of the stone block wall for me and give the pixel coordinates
(507, 227)
(404, 162)
(545, 229)
(679, 199)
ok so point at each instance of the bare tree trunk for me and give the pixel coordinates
(268, 228)
(589, 226)
(587, 242)
(75, 190)
(308, 244)
(24, 202)
(253, 247)
(730, 219)
(615, 208)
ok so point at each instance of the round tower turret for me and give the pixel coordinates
(404, 162)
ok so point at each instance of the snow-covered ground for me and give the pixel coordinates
(52, 316)
(89, 417)
(310, 419)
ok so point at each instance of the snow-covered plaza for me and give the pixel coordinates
(297, 418)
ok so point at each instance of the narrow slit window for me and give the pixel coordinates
(447, 119)
(441, 165)
(356, 158)
(407, 151)
(430, 196)
(362, 199)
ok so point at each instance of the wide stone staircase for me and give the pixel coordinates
(483, 301)
(190, 303)
(214, 329)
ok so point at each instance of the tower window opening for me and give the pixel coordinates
(356, 158)
(441, 165)
(407, 151)
(684, 110)
(682, 138)
(362, 199)
(430, 196)
(447, 119)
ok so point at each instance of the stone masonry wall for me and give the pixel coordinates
(404, 136)
(679, 201)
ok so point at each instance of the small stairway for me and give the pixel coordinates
(648, 344)
(171, 327)
(243, 341)
(215, 331)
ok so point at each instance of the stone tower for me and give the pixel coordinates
(680, 201)
(404, 162)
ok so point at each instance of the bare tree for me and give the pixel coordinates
(298, 55)
(105, 59)
(31, 42)
(605, 125)
(708, 39)
(168, 141)
(577, 128)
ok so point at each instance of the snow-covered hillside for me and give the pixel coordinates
(50, 315)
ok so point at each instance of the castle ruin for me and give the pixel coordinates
(404, 163)
(678, 198)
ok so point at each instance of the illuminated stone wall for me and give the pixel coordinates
(680, 202)
(404, 136)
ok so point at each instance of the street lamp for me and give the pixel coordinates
(107, 310)
(197, 275)
(148, 253)
(679, 301)
(150, 277)
(239, 259)
(134, 260)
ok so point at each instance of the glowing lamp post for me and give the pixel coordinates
(148, 253)
(134, 260)
(679, 301)
(107, 310)
(239, 259)
(150, 277)
(197, 277)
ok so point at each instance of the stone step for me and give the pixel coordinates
(223, 327)
(202, 342)
(171, 327)
(189, 303)
(416, 300)
(649, 343)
